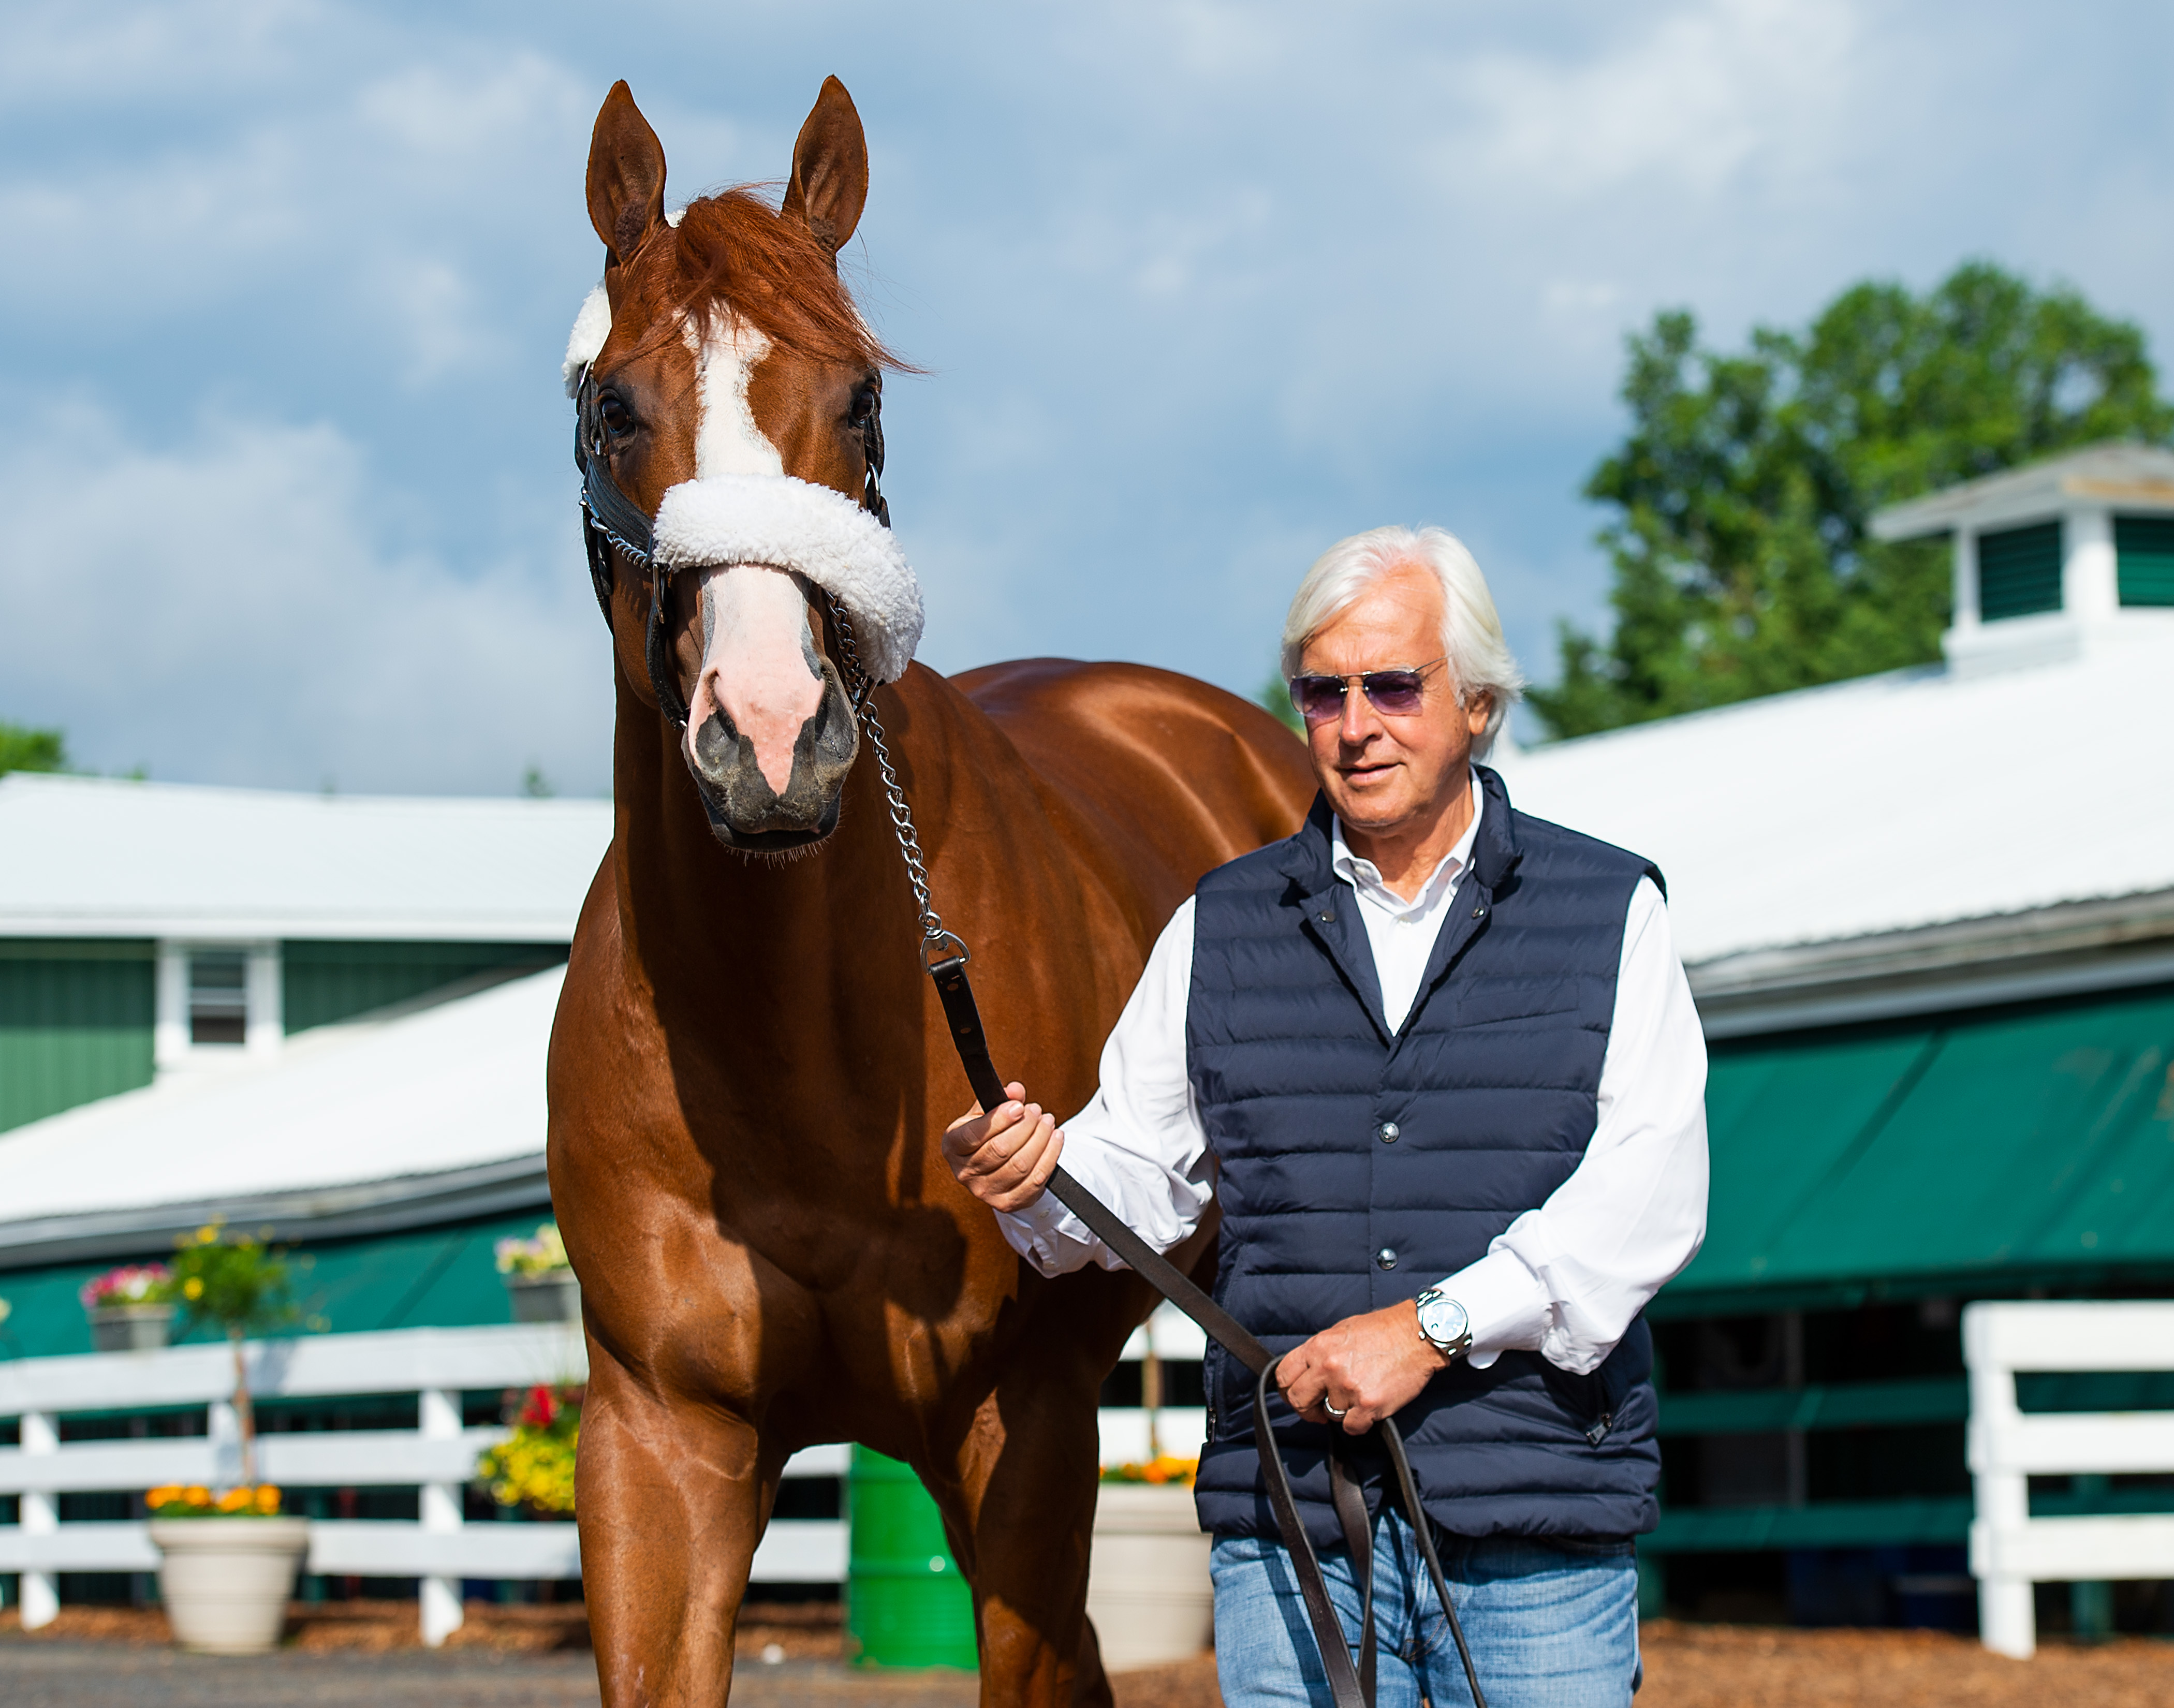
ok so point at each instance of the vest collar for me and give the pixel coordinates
(1305, 861)
(1494, 851)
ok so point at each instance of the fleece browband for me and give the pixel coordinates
(781, 522)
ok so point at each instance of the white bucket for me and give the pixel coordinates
(1148, 1587)
(226, 1582)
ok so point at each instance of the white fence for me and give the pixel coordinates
(2010, 1550)
(437, 1458)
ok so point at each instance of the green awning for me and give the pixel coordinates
(1992, 1150)
(445, 1277)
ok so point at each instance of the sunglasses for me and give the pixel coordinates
(1393, 693)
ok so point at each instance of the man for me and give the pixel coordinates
(1443, 1059)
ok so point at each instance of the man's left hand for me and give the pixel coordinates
(1367, 1367)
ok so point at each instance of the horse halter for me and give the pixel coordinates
(610, 518)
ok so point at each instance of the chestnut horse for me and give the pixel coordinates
(750, 1073)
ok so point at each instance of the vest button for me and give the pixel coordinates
(1386, 1258)
(1388, 1132)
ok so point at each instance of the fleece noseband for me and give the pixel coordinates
(774, 521)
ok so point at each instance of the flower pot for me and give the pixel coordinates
(554, 1296)
(226, 1582)
(1148, 1588)
(130, 1327)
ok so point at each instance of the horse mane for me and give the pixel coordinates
(733, 250)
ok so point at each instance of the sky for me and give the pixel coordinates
(1199, 289)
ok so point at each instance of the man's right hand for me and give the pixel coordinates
(1006, 1156)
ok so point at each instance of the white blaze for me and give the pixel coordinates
(759, 665)
(728, 442)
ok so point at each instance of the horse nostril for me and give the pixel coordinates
(717, 747)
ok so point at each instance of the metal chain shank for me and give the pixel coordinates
(933, 936)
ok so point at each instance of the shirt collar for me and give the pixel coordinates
(1364, 876)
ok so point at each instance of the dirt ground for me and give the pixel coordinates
(1690, 1666)
(795, 1654)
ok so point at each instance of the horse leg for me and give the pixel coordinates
(670, 1497)
(1023, 1518)
(1090, 1684)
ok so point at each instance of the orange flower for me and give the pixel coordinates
(268, 1499)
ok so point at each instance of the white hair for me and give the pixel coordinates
(1479, 661)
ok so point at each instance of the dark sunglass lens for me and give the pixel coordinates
(1318, 697)
(1396, 692)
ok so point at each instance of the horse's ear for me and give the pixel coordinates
(626, 175)
(830, 184)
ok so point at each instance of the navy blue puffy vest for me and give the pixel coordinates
(1492, 1084)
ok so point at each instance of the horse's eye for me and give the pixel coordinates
(864, 405)
(618, 418)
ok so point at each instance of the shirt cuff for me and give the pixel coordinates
(1505, 1302)
(1048, 1235)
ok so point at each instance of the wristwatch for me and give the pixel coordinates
(1444, 1324)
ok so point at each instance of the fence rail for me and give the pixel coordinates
(2010, 1550)
(437, 1458)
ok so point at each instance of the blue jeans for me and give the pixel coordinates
(1552, 1624)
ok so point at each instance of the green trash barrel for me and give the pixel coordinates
(906, 1604)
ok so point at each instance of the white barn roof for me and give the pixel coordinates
(401, 1118)
(2124, 476)
(1921, 824)
(90, 857)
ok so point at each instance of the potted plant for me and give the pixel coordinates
(131, 1309)
(539, 1279)
(533, 1467)
(227, 1564)
(1148, 1587)
(228, 1560)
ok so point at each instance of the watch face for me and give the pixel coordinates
(1444, 1321)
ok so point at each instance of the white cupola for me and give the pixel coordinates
(2053, 560)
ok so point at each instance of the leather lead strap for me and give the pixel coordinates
(1312, 1588)
(1349, 1688)
(1358, 1528)
(965, 1018)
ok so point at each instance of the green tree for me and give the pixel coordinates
(25, 749)
(1742, 566)
(1275, 695)
(240, 1286)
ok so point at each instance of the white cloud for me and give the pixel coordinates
(222, 609)
(1693, 97)
(1203, 286)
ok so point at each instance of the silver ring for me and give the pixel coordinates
(1338, 1415)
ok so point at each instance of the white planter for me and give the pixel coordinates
(1148, 1588)
(130, 1327)
(227, 1581)
(555, 1297)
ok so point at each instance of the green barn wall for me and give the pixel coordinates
(2143, 550)
(445, 1277)
(2019, 571)
(75, 1023)
(325, 981)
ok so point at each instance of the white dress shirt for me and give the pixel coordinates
(1568, 1276)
